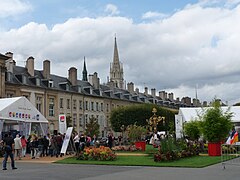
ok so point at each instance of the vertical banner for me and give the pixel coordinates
(66, 140)
(62, 123)
(178, 126)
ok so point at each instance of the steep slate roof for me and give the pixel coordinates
(63, 84)
(3, 57)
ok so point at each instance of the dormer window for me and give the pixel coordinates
(24, 79)
(37, 81)
(50, 84)
(67, 87)
(88, 90)
(79, 89)
(64, 86)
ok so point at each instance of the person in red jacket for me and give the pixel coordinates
(24, 145)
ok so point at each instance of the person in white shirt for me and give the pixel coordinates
(76, 140)
(17, 147)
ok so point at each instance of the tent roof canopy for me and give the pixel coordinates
(189, 114)
(20, 109)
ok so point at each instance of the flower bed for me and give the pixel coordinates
(100, 154)
(130, 148)
(170, 150)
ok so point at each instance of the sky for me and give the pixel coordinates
(183, 47)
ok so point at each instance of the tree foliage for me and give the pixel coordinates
(216, 124)
(135, 132)
(192, 130)
(129, 115)
(92, 127)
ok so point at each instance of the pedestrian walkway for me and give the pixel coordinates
(45, 159)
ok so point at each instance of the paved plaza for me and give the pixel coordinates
(52, 171)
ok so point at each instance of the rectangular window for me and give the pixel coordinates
(80, 104)
(80, 120)
(101, 106)
(74, 104)
(97, 106)
(68, 103)
(86, 105)
(51, 107)
(107, 107)
(74, 120)
(39, 103)
(86, 120)
(61, 103)
(92, 104)
(9, 95)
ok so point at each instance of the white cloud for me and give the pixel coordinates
(13, 8)
(150, 15)
(232, 3)
(112, 9)
(196, 45)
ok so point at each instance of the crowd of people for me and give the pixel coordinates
(35, 146)
(50, 145)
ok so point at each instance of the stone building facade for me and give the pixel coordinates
(77, 99)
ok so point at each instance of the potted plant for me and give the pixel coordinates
(215, 126)
(136, 134)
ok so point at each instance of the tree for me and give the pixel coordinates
(237, 104)
(92, 127)
(191, 129)
(138, 114)
(216, 124)
(136, 133)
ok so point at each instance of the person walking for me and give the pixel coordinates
(76, 140)
(24, 145)
(110, 140)
(34, 146)
(8, 142)
(59, 140)
(82, 142)
(40, 147)
(17, 147)
(45, 146)
(53, 146)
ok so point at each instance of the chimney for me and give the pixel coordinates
(170, 96)
(9, 54)
(10, 62)
(46, 69)
(30, 66)
(94, 80)
(72, 76)
(137, 90)
(162, 95)
(146, 91)
(130, 87)
(153, 92)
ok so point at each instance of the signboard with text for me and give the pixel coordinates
(66, 140)
(62, 123)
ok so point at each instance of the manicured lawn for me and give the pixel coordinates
(193, 162)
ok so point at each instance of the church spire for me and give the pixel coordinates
(116, 68)
(115, 53)
(84, 72)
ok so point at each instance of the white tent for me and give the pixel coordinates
(187, 114)
(20, 114)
